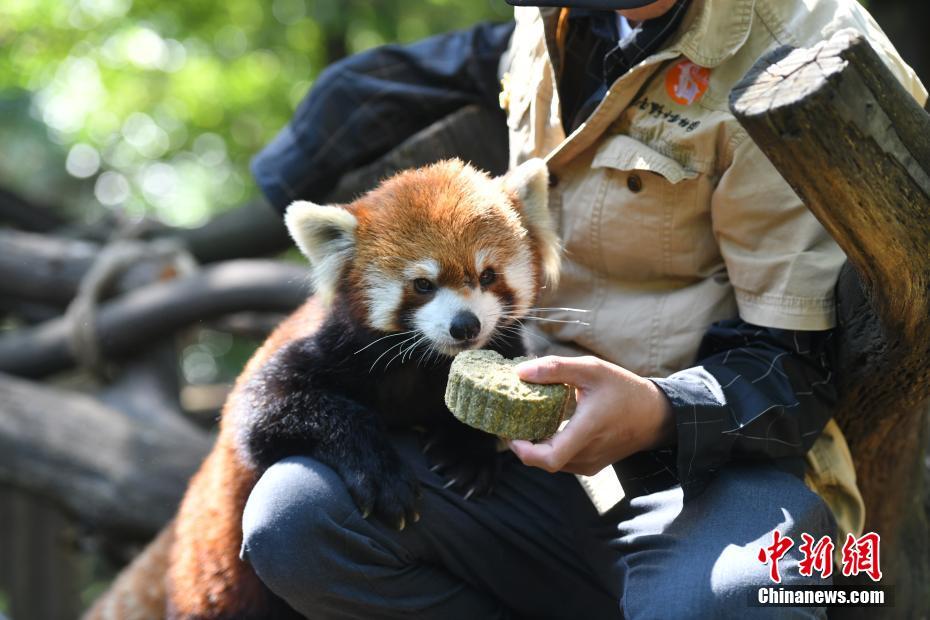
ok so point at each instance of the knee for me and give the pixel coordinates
(296, 509)
(737, 574)
(707, 564)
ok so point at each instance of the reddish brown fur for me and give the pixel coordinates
(198, 554)
(431, 212)
(206, 577)
(428, 212)
(139, 591)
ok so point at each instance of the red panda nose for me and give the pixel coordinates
(465, 326)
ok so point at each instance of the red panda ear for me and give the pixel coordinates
(530, 182)
(326, 236)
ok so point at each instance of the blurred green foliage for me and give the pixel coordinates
(154, 107)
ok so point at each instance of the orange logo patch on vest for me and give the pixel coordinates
(686, 82)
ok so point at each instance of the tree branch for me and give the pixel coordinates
(45, 269)
(144, 316)
(122, 475)
(252, 230)
(17, 211)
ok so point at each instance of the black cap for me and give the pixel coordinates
(600, 5)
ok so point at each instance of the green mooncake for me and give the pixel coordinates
(485, 392)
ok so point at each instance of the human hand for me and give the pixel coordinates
(619, 413)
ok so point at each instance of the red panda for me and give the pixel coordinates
(431, 262)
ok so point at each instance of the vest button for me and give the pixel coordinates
(634, 183)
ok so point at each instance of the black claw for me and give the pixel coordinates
(466, 458)
(385, 488)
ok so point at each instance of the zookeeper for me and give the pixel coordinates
(704, 369)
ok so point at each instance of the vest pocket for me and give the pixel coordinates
(655, 213)
(622, 152)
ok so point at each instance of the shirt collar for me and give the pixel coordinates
(714, 30)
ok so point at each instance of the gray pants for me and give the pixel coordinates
(535, 548)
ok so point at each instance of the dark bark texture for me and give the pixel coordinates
(856, 148)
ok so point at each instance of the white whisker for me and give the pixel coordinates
(383, 338)
(409, 352)
(553, 309)
(398, 345)
(538, 318)
(404, 351)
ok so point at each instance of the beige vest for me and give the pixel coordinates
(670, 216)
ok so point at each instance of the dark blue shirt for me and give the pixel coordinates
(596, 56)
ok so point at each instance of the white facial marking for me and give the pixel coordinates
(519, 276)
(483, 260)
(434, 318)
(384, 298)
(428, 269)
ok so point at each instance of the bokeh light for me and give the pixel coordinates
(156, 108)
(83, 161)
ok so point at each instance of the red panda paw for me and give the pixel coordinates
(386, 488)
(464, 457)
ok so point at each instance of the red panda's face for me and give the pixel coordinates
(444, 252)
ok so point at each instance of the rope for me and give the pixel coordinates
(114, 259)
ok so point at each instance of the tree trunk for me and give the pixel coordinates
(855, 147)
(125, 475)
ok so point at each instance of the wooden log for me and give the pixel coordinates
(855, 147)
(24, 214)
(47, 269)
(123, 476)
(146, 315)
(252, 230)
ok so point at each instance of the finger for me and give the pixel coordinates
(577, 371)
(582, 467)
(553, 453)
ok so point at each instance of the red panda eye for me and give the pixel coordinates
(487, 277)
(422, 285)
